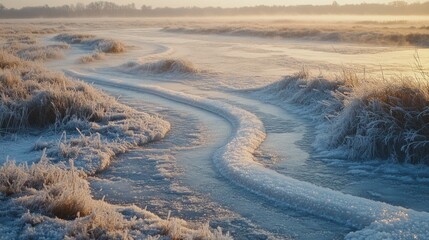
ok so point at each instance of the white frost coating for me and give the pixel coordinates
(236, 162)
(411, 225)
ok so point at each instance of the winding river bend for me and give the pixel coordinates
(235, 161)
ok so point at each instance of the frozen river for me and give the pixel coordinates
(232, 159)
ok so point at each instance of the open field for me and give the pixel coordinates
(215, 128)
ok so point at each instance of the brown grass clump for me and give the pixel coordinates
(31, 96)
(369, 118)
(174, 65)
(49, 188)
(103, 223)
(92, 57)
(165, 66)
(112, 46)
(98, 44)
(386, 119)
(8, 61)
(13, 178)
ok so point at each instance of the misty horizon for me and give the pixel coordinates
(111, 9)
(202, 4)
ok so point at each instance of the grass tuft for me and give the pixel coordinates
(370, 118)
(31, 96)
(102, 45)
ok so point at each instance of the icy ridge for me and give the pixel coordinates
(236, 162)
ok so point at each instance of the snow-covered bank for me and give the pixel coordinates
(40, 99)
(367, 118)
(236, 162)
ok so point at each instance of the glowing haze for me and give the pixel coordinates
(185, 3)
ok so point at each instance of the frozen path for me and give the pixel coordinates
(236, 162)
(196, 191)
(299, 181)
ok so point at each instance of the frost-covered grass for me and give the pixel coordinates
(165, 66)
(43, 52)
(99, 44)
(22, 41)
(98, 143)
(92, 57)
(48, 188)
(59, 200)
(34, 97)
(314, 34)
(385, 120)
(370, 118)
(393, 33)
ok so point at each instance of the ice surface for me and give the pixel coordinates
(236, 162)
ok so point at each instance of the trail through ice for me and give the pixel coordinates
(236, 162)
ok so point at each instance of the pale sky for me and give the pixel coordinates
(186, 3)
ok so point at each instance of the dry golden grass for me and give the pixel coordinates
(113, 47)
(42, 53)
(46, 187)
(31, 96)
(57, 192)
(8, 61)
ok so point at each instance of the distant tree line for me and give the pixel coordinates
(109, 9)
